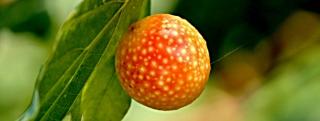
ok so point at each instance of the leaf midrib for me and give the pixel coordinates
(81, 17)
(87, 49)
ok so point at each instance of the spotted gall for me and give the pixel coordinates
(163, 62)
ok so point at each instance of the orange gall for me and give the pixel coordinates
(163, 62)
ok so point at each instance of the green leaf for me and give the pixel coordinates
(81, 73)
(98, 90)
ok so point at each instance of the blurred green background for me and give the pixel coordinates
(274, 76)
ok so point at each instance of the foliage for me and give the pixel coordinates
(79, 77)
